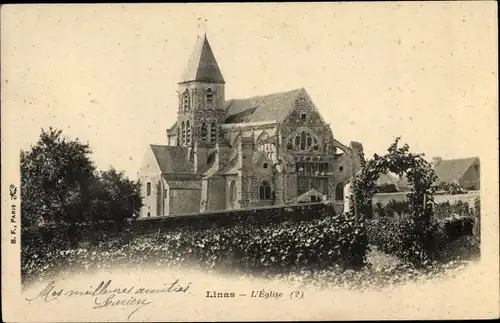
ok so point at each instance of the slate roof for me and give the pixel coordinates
(271, 107)
(172, 159)
(306, 197)
(202, 65)
(184, 184)
(173, 128)
(451, 170)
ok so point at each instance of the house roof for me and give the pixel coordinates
(184, 184)
(271, 107)
(449, 170)
(172, 159)
(306, 197)
(202, 65)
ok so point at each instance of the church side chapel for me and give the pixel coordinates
(261, 151)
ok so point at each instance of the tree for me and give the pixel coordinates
(60, 185)
(115, 197)
(56, 174)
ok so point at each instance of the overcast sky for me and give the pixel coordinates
(108, 73)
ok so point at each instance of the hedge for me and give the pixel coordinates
(259, 248)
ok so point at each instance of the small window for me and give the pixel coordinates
(341, 168)
(149, 214)
(204, 131)
(265, 165)
(148, 189)
(303, 116)
(265, 191)
(339, 192)
(210, 96)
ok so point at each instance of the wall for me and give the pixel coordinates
(384, 198)
(184, 201)
(265, 215)
(216, 193)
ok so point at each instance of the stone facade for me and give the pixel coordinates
(244, 153)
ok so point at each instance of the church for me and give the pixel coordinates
(226, 154)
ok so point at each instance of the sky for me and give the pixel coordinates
(107, 74)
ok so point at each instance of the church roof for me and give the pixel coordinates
(184, 184)
(271, 107)
(202, 65)
(172, 129)
(453, 169)
(172, 159)
(306, 197)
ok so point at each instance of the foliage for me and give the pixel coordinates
(447, 210)
(115, 197)
(452, 188)
(61, 186)
(417, 226)
(398, 207)
(397, 237)
(477, 215)
(451, 221)
(250, 247)
(387, 188)
(55, 176)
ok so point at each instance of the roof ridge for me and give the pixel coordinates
(266, 95)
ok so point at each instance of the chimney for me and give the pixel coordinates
(436, 160)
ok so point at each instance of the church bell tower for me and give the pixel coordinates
(201, 98)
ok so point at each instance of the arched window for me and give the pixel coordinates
(270, 150)
(265, 191)
(262, 137)
(304, 141)
(232, 193)
(211, 159)
(213, 133)
(204, 131)
(339, 192)
(183, 133)
(188, 133)
(185, 100)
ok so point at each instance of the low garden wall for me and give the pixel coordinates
(385, 198)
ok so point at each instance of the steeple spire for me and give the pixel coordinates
(202, 66)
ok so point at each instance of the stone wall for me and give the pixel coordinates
(216, 193)
(184, 201)
(276, 214)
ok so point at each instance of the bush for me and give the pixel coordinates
(387, 188)
(254, 248)
(450, 188)
(394, 236)
(398, 237)
(446, 211)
